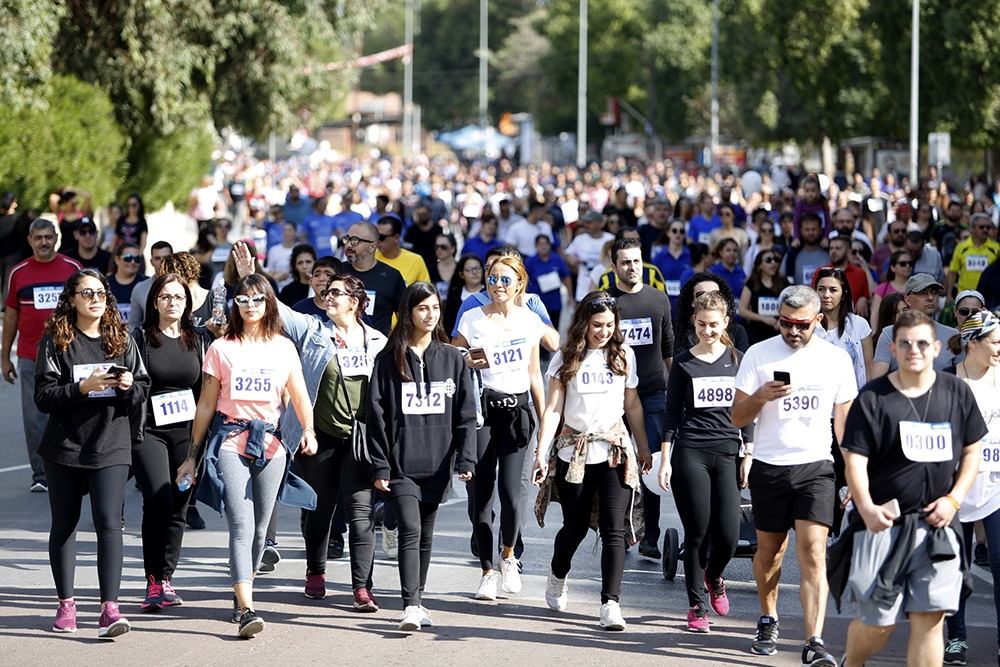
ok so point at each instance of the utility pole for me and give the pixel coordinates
(408, 83)
(915, 97)
(714, 142)
(581, 92)
(483, 48)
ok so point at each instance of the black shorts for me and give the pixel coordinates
(782, 495)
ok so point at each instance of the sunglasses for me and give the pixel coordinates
(167, 298)
(243, 300)
(473, 269)
(677, 231)
(86, 231)
(604, 302)
(965, 312)
(705, 291)
(89, 294)
(907, 345)
(383, 237)
(355, 240)
(769, 260)
(904, 263)
(442, 246)
(331, 293)
(129, 257)
(983, 227)
(801, 325)
(899, 230)
(503, 280)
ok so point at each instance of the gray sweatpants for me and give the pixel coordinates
(249, 496)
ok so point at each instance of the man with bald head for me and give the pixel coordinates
(383, 283)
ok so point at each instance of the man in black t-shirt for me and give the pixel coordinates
(645, 324)
(917, 432)
(88, 252)
(383, 283)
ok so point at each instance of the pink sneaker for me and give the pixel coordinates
(65, 617)
(364, 602)
(698, 619)
(717, 595)
(170, 596)
(316, 586)
(112, 623)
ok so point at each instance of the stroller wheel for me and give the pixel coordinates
(671, 553)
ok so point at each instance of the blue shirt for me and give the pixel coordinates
(734, 278)
(673, 271)
(319, 228)
(297, 212)
(274, 232)
(480, 299)
(701, 227)
(552, 300)
(308, 307)
(479, 247)
(343, 220)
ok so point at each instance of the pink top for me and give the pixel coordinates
(884, 289)
(252, 378)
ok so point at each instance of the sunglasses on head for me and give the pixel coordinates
(128, 257)
(907, 345)
(503, 280)
(89, 294)
(604, 302)
(244, 300)
(705, 291)
(801, 325)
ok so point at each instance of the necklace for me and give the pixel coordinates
(993, 375)
(927, 405)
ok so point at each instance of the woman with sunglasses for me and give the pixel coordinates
(592, 384)
(727, 253)
(467, 280)
(90, 380)
(896, 274)
(765, 241)
(703, 448)
(503, 343)
(446, 267)
(759, 300)
(246, 462)
(840, 325)
(303, 258)
(674, 260)
(697, 285)
(125, 277)
(422, 427)
(132, 227)
(729, 230)
(172, 350)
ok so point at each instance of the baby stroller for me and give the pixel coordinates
(746, 547)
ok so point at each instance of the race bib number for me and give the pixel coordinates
(354, 361)
(714, 392)
(595, 379)
(704, 238)
(370, 306)
(976, 263)
(252, 384)
(423, 402)
(83, 371)
(767, 306)
(801, 404)
(638, 331)
(220, 254)
(124, 309)
(46, 298)
(174, 407)
(673, 287)
(508, 356)
(548, 282)
(991, 454)
(807, 275)
(926, 443)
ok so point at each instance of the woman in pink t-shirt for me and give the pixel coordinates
(245, 375)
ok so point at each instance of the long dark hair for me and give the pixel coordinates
(890, 275)
(355, 289)
(271, 324)
(399, 337)
(62, 323)
(141, 213)
(151, 321)
(754, 281)
(301, 249)
(684, 326)
(887, 313)
(575, 347)
(846, 300)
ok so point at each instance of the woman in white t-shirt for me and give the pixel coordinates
(503, 339)
(840, 326)
(592, 383)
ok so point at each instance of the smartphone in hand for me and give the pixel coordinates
(479, 354)
(117, 371)
(784, 377)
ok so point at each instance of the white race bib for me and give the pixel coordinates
(704, 238)
(638, 331)
(354, 361)
(510, 355)
(83, 371)
(124, 309)
(673, 287)
(991, 454)
(767, 306)
(976, 263)
(424, 402)
(46, 298)
(548, 282)
(803, 403)
(370, 306)
(252, 384)
(714, 392)
(173, 407)
(594, 378)
(926, 443)
(807, 275)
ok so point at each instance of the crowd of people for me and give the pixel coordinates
(352, 339)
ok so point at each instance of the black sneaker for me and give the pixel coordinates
(981, 555)
(237, 612)
(954, 652)
(335, 549)
(814, 653)
(250, 624)
(766, 640)
(474, 547)
(649, 549)
(270, 557)
(193, 519)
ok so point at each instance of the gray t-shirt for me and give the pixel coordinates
(806, 263)
(930, 263)
(138, 311)
(943, 361)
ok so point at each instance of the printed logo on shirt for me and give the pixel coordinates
(449, 388)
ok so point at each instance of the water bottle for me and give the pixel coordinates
(185, 482)
(219, 304)
(850, 503)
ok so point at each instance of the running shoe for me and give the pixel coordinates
(511, 574)
(65, 617)
(315, 586)
(335, 548)
(112, 623)
(814, 653)
(154, 595)
(410, 622)
(193, 518)
(425, 617)
(237, 612)
(39, 487)
(250, 624)
(954, 652)
(611, 616)
(556, 593)
(648, 549)
(698, 619)
(765, 642)
(390, 543)
(488, 587)
(270, 558)
(981, 555)
(717, 595)
(364, 602)
(170, 596)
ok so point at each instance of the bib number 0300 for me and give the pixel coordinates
(926, 442)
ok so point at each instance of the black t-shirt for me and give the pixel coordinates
(758, 331)
(101, 261)
(130, 232)
(873, 430)
(388, 285)
(422, 242)
(171, 367)
(309, 307)
(293, 292)
(647, 236)
(633, 309)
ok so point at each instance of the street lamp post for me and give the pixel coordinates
(581, 92)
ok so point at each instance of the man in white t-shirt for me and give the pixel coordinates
(791, 384)
(584, 252)
(523, 234)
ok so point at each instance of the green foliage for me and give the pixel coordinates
(26, 31)
(75, 141)
(165, 168)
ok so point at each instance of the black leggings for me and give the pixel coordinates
(322, 472)
(416, 534)
(576, 501)
(164, 509)
(499, 450)
(67, 487)
(708, 501)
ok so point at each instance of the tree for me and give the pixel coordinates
(26, 31)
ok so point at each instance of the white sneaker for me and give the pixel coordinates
(390, 543)
(425, 617)
(488, 587)
(411, 619)
(556, 593)
(511, 575)
(611, 616)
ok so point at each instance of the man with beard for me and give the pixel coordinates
(383, 283)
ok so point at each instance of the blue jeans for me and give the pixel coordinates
(956, 623)
(34, 421)
(653, 407)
